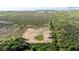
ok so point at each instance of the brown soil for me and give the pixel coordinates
(30, 34)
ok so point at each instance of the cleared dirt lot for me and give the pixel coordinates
(30, 34)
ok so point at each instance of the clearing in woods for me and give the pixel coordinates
(31, 33)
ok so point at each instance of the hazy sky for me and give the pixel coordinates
(29, 4)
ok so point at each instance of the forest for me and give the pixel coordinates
(64, 27)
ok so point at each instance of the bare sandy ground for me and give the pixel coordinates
(30, 34)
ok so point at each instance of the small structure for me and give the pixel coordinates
(31, 33)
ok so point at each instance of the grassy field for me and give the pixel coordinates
(25, 18)
(14, 23)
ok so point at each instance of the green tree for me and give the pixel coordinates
(17, 44)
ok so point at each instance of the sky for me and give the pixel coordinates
(36, 4)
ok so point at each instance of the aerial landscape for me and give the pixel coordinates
(42, 29)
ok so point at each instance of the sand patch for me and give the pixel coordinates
(30, 34)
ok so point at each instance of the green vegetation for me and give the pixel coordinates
(14, 23)
(65, 33)
(39, 38)
(17, 44)
(25, 18)
(64, 26)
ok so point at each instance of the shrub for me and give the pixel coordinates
(39, 37)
